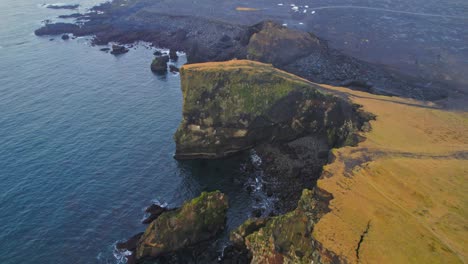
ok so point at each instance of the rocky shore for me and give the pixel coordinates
(211, 38)
(309, 139)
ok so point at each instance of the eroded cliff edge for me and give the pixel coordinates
(396, 197)
(236, 105)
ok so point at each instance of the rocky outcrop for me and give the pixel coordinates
(288, 238)
(117, 50)
(207, 39)
(159, 64)
(235, 105)
(279, 45)
(196, 221)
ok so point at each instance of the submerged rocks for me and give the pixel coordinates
(197, 220)
(159, 64)
(117, 49)
(63, 6)
(233, 106)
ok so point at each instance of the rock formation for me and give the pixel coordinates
(196, 221)
(233, 106)
(159, 64)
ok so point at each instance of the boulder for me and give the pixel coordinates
(65, 37)
(196, 221)
(159, 64)
(173, 69)
(117, 49)
(173, 55)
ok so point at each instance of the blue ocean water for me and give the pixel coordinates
(86, 143)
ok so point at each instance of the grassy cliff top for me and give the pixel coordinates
(405, 184)
(232, 65)
(400, 195)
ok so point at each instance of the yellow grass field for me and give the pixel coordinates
(407, 183)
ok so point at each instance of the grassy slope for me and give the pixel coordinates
(407, 180)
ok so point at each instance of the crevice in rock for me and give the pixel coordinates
(363, 235)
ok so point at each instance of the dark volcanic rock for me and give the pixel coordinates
(154, 212)
(159, 64)
(157, 53)
(196, 221)
(130, 244)
(209, 37)
(173, 55)
(173, 69)
(105, 49)
(56, 6)
(56, 29)
(65, 37)
(117, 49)
(74, 15)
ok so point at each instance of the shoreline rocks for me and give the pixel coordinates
(117, 50)
(205, 39)
(159, 64)
(180, 229)
(62, 6)
(196, 221)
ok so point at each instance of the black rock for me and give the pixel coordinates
(155, 211)
(173, 55)
(130, 244)
(159, 64)
(116, 49)
(173, 69)
(65, 37)
(105, 49)
(157, 53)
(73, 6)
(74, 15)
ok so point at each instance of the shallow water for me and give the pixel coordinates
(86, 143)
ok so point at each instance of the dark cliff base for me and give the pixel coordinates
(210, 35)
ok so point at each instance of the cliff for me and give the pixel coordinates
(396, 197)
(235, 105)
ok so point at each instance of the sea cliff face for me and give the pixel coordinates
(370, 198)
(235, 105)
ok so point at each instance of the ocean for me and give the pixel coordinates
(86, 144)
(86, 137)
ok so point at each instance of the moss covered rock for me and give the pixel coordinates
(159, 64)
(288, 238)
(232, 106)
(197, 220)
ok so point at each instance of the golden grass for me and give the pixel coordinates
(408, 179)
